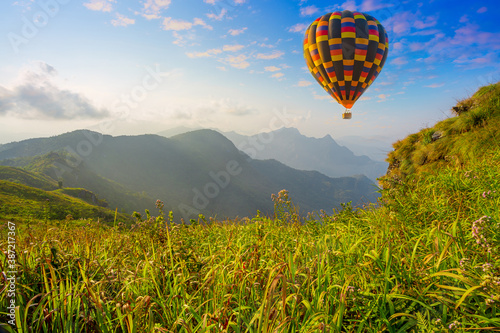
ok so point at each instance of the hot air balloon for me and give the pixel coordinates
(345, 52)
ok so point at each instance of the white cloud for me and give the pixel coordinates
(100, 5)
(219, 17)
(239, 2)
(239, 61)
(470, 34)
(371, 5)
(482, 10)
(308, 11)
(232, 48)
(206, 54)
(269, 46)
(236, 32)
(214, 52)
(403, 22)
(468, 46)
(304, 83)
(122, 21)
(476, 61)
(152, 8)
(176, 25)
(398, 46)
(233, 61)
(278, 75)
(272, 69)
(426, 32)
(435, 85)
(274, 55)
(399, 61)
(349, 5)
(179, 40)
(428, 22)
(299, 27)
(37, 97)
(198, 21)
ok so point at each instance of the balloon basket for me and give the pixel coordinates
(346, 115)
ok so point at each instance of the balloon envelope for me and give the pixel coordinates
(345, 52)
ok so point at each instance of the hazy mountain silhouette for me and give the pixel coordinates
(196, 172)
(375, 147)
(290, 147)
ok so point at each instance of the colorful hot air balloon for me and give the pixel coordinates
(345, 52)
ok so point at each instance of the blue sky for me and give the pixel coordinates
(130, 67)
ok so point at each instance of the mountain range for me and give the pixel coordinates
(290, 147)
(195, 172)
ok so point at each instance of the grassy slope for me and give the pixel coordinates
(457, 140)
(43, 182)
(427, 260)
(27, 178)
(55, 166)
(20, 202)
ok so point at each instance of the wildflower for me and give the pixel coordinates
(485, 194)
(159, 204)
(478, 233)
(486, 267)
(454, 325)
(463, 261)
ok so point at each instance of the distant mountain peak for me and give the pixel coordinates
(299, 151)
(289, 130)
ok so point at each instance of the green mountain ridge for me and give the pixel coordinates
(35, 195)
(24, 177)
(18, 201)
(60, 167)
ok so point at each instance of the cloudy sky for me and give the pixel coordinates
(130, 67)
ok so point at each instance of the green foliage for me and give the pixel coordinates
(21, 202)
(452, 141)
(24, 177)
(85, 195)
(56, 169)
